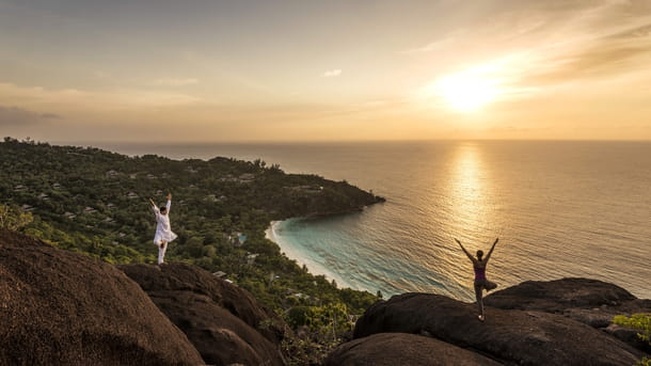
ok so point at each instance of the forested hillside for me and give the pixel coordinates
(96, 202)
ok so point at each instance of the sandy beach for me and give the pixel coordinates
(274, 233)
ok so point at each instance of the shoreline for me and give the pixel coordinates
(313, 267)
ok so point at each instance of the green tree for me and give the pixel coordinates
(320, 330)
(14, 218)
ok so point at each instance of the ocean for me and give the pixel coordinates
(559, 208)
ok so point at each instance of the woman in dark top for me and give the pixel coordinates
(481, 282)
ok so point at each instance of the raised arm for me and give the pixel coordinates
(169, 202)
(464, 250)
(154, 207)
(491, 251)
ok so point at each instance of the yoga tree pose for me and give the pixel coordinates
(481, 282)
(164, 234)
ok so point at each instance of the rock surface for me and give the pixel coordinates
(59, 307)
(535, 324)
(224, 322)
(390, 349)
(559, 296)
(588, 301)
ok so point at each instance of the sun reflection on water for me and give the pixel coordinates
(467, 190)
(467, 209)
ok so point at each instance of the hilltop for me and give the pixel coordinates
(66, 308)
(562, 322)
(95, 202)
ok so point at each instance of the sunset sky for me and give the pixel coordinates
(243, 70)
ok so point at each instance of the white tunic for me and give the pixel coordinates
(164, 231)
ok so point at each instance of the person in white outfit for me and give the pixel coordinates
(164, 234)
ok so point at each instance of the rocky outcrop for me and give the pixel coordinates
(568, 295)
(391, 349)
(58, 307)
(588, 301)
(224, 322)
(518, 330)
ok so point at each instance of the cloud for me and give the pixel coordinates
(621, 52)
(36, 94)
(102, 75)
(50, 116)
(633, 33)
(438, 45)
(74, 99)
(559, 43)
(15, 116)
(332, 73)
(176, 82)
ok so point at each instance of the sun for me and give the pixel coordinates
(466, 91)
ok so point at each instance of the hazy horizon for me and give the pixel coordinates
(295, 71)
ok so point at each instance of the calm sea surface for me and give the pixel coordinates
(560, 209)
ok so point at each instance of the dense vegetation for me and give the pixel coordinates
(96, 202)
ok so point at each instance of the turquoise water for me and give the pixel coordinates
(559, 208)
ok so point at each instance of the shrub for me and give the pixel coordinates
(640, 322)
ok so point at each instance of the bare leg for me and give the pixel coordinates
(480, 302)
(490, 285)
(161, 252)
